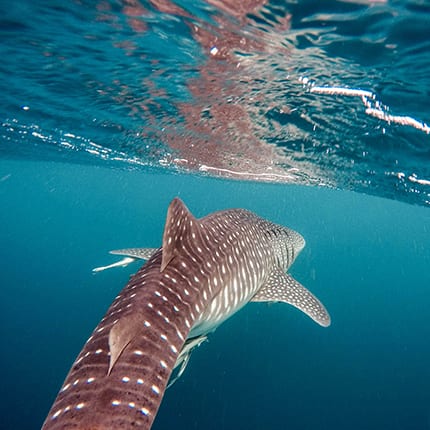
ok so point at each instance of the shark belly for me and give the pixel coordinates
(233, 297)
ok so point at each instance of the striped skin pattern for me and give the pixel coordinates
(206, 270)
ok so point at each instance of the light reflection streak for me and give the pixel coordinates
(373, 106)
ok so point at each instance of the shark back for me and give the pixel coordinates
(118, 379)
(206, 270)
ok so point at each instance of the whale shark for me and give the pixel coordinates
(205, 271)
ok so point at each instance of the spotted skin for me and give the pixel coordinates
(206, 270)
(141, 253)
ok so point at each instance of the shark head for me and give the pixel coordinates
(205, 271)
(297, 241)
(287, 244)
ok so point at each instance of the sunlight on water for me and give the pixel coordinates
(254, 90)
(372, 105)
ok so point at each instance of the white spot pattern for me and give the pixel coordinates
(231, 266)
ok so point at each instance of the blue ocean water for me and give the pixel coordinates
(110, 109)
(367, 258)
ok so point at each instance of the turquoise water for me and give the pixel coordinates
(269, 366)
(111, 109)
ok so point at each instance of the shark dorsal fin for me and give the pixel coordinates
(120, 336)
(182, 229)
(282, 287)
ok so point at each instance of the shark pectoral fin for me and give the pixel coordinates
(122, 263)
(136, 253)
(120, 335)
(131, 254)
(281, 287)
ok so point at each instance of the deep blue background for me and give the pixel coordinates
(269, 367)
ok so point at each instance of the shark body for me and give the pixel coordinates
(205, 271)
